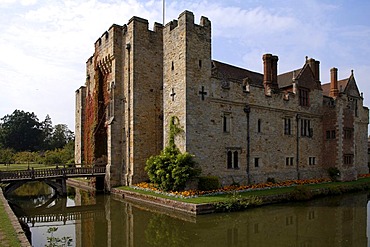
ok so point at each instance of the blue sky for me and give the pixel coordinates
(44, 44)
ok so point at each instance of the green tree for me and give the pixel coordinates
(61, 136)
(47, 132)
(21, 131)
(6, 156)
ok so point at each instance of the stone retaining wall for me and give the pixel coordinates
(15, 223)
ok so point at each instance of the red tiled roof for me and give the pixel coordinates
(226, 71)
(341, 84)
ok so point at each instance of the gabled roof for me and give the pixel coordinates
(225, 71)
(342, 84)
(348, 86)
(286, 79)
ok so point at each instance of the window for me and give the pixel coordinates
(330, 134)
(289, 161)
(306, 129)
(259, 126)
(348, 159)
(287, 126)
(347, 133)
(256, 162)
(232, 159)
(226, 119)
(303, 97)
(312, 161)
(111, 101)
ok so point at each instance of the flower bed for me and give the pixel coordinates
(231, 188)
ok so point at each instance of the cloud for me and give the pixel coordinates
(45, 44)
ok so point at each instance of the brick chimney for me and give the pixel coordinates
(274, 61)
(334, 82)
(315, 67)
(270, 73)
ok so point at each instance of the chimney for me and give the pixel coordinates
(333, 82)
(274, 82)
(317, 71)
(312, 63)
(270, 73)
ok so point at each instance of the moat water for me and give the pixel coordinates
(85, 219)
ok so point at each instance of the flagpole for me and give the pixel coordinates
(164, 7)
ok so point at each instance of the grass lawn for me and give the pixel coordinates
(8, 236)
(262, 192)
(13, 167)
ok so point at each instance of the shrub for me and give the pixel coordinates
(271, 180)
(334, 173)
(208, 183)
(171, 169)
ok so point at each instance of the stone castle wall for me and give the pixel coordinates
(138, 79)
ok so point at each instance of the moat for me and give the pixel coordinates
(87, 219)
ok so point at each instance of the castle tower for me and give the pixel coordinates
(186, 78)
(143, 76)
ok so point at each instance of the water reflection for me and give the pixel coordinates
(105, 221)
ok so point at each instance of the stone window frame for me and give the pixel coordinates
(304, 97)
(347, 133)
(289, 161)
(306, 129)
(226, 122)
(312, 160)
(111, 101)
(259, 125)
(233, 158)
(348, 159)
(330, 134)
(257, 162)
(288, 126)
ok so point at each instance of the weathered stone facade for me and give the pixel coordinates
(242, 126)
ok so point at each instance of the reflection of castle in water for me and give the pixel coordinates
(105, 221)
(338, 221)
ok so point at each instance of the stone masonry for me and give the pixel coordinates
(241, 126)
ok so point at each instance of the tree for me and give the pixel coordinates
(61, 136)
(6, 156)
(47, 131)
(21, 131)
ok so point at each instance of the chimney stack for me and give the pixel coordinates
(270, 73)
(274, 82)
(334, 92)
(315, 67)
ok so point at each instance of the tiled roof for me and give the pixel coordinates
(286, 79)
(326, 87)
(229, 72)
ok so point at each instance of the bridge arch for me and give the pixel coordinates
(59, 185)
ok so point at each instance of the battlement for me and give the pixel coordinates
(104, 38)
(186, 18)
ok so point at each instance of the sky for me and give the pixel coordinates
(44, 44)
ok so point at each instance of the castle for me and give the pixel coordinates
(242, 126)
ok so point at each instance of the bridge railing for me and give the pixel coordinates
(51, 173)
